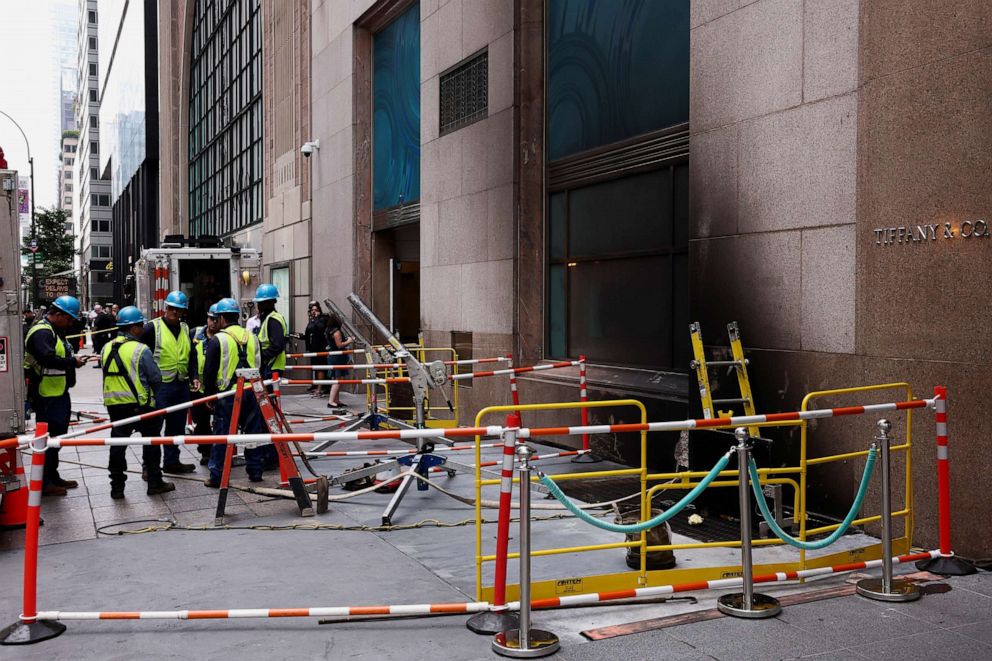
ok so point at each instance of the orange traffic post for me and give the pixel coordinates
(28, 629)
(946, 563)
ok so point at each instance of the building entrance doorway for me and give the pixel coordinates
(396, 279)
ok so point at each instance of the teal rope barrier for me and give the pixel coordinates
(643, 525)
(836, 534)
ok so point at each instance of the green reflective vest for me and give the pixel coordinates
(51, 382)
(172, 353)
(121, 374)
(238, 347)
(263, 338)
(199, 344)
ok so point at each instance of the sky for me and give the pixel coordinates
(29, 83)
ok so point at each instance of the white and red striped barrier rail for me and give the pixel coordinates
(150, 414)
(236, 613)
(367, 366)
(583, 397)
(495, 430)
(536, 457)
(321, 354)
(464, 607)
(391, 453)
(717, 584)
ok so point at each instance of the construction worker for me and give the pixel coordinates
(168, 337)
(201, 414)
(51, 367)
(130, 378)
(272, 331)
(272, 339)
(230, 349)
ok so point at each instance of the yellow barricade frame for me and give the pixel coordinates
(686, 480)
(429, 422)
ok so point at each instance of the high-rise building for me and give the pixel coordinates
(128, 123)
(67, 158)
(92, 213)
(236, 86)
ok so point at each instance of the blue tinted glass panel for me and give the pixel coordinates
(396, 111)
(616, 69)
(556, 230)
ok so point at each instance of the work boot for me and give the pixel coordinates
(211, 483)
(53, 490)
(178, 468)
(164, 487)
(117, 493)
(65, 484)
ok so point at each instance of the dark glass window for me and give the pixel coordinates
(225, 117)
(615, 70)
(91, 16)
(616, 263)
(396, 111)
(93, 96)
(617, 251)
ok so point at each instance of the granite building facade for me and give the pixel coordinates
(787, 194)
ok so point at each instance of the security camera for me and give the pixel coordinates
(309, 148)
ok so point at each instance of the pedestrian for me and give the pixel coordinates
(201, 414)
(78, 333)
(130, 379)
(315, 337)
(169, 339)
(253, 324)
(97, 309)
(230, 349)
(102, 325)
(27, 321)
(336, 341)
(51, 364)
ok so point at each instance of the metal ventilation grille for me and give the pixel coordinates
(465, 93)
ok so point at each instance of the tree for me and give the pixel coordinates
(55, 243)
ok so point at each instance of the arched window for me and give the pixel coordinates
(225, 117)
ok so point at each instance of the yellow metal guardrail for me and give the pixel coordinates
(793, 476)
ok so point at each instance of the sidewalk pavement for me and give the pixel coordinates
(253, 565)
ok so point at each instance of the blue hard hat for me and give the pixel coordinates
(212, 311)
(266, 292)
(177, 299)
(130, 316)
(67, 304)
(227, 306)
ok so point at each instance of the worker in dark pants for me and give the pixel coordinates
(130, 378)
(51, 367)
(231, 349)
(272, 340)
(201, 414)
(169, 339)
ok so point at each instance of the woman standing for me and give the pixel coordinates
(315, 337)
(336, 341)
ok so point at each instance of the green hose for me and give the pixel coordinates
(836, 534)
(643, 525)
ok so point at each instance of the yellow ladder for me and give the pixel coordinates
(702, 367)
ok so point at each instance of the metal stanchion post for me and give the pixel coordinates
(885, 589)
(525, 643)
(746, 604)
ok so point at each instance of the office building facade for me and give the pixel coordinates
(564, 178)
(92, 214)
(235, 78)
(129, 135)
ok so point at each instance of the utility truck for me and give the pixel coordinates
(205, 275)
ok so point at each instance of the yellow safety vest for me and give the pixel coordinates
(172, 353)
(200, 340)
(122, 375)
(263, 337)
(235, 343)
(51, 381)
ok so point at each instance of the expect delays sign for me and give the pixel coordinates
(51, 288)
